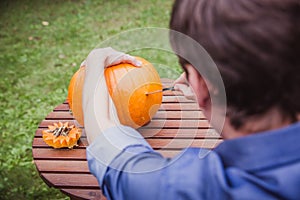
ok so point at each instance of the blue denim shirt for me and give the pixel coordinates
(260, 166)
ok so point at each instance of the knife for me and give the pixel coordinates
(157, 91)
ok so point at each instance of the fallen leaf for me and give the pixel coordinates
(61, 56)
(45, 23)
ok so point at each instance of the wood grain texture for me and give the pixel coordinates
(71, 180)
(164, 133)
(156, 143)
(86, 194)
(59, 166)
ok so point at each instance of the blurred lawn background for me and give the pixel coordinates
(42, 43)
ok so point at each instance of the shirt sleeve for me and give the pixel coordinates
(139, 173)
(109, 144)
(128, 168)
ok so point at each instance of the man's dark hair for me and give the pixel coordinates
(256, 47)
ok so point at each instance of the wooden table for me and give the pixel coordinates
(178, 124)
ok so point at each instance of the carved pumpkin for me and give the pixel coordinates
(61, 135)
(127, 86)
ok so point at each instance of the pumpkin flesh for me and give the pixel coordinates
(60, 141)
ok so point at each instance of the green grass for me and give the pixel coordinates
(37, 62)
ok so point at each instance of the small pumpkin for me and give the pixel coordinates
(128, 87)
(61, 135)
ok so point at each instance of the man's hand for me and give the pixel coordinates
(98, 108)
(181, 84)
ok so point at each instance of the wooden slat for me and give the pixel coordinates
(196, 115)
(60, 115)
(86, 194)
(78, 154)
(181, 144)
(176, 99)
(155, 143)
(165, 133)
(172, 93)
(58, 154)
(45, 154)
(180, 107)
(60, 166)
(179, 133)
(71, 180)
(153, 124)
(191, 124)
(62, 107)
(46, 123)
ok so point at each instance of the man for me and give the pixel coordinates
(255, 45)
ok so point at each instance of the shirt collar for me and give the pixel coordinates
(262, 150)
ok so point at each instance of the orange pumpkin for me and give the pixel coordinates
(61, 135)
(127, 86)
(71, 87)
(75, 94)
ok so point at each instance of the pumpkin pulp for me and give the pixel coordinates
(68, 139)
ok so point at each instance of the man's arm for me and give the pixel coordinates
(109, 144)
(128, 168)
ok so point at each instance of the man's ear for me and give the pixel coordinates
(203, 93)
(200, 86)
